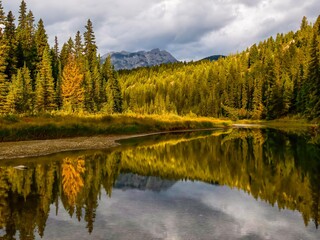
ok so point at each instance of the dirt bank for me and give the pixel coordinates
(9, 150)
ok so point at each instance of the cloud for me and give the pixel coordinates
(187, 210)
(189, 29)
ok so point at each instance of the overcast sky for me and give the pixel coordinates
(189, 29)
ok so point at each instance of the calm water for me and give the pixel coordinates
(235, 184)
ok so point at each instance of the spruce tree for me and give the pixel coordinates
(41, 40)
(4, 84)
(314, 73)
(45, 94)
(90, 47)
(10, 39)
(67, 49)
(2, 18)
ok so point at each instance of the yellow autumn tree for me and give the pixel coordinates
(72, 86)
(72, 180)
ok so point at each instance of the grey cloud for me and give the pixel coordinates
(189, 29)
(188, 210)
(250, 3)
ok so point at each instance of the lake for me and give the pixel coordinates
(240, 183)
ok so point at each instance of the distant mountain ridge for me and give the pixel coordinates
(130, 60)
(213, 57)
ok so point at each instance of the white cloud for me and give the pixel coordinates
(189, 29)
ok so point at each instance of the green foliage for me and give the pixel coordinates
(75, 124)
(45, 97)
(271, 79)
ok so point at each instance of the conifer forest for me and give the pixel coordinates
(277, 77)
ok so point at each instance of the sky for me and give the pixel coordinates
(188, 29)
(184, 211)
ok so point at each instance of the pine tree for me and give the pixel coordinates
(99, 88)
(41, 40)
(12, 99)
(45, 95)
(67, 49)
(55, 61)
(115, 92)
(90, 47)
(314, 73)
(4, 84)
(58, 88)
(26, 48)
(78, 46)
(10, 39)
(27, 94)
(15, 99)
(90, 89)
(2, 19)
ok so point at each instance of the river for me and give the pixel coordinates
(240, 183)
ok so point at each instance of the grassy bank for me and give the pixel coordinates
(17, 128)
(288, 124)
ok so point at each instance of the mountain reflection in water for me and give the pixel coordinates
(278, 168)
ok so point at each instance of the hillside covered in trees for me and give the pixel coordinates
(272, 79)
(275, 78)
(36, 78)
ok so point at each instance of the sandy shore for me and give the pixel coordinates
(9, 150)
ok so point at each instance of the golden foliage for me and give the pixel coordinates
(72, 89)
(72, 181)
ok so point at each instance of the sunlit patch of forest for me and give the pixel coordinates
(276, 78)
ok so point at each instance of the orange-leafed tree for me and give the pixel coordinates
(72, 179)
(72, 86)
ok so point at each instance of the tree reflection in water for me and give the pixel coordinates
(280, 168)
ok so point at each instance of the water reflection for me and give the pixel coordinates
(281, 169)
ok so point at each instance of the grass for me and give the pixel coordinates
(51, 126)
(288, 124)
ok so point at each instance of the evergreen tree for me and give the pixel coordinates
(90, 47)
(26, 48)
(67, 49)
(78, 46)
(58, 88)
(90, 89)
(114, 93)
(41, 40)
(10, 39)
(45, 95)
(4, 84)
(55, 61)
(314, 73)
(2, 19)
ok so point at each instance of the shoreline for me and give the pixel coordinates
(36, 148)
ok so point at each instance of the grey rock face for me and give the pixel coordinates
(134, 181)
(127, 60)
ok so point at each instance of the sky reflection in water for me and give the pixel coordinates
(229, 171)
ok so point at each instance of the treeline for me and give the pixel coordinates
(275, 78)
(35, 77)
(272, 79)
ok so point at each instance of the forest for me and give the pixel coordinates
(36, 78)
(275, 78)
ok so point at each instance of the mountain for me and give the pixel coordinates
(213, 57)
(130, 60)
(134, 181)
